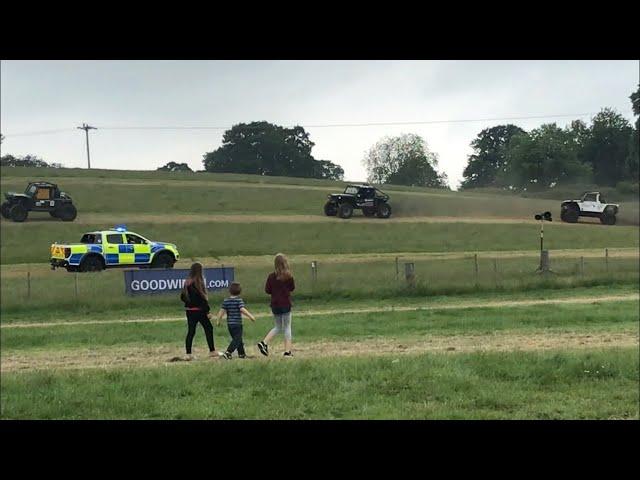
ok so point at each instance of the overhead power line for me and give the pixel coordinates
(40, 132)
(369, 124)
(326, 125)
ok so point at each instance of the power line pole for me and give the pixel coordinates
(86, 129)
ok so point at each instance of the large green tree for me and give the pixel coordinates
(633, 160)
(263, 148)
(607, 148)
(546, 156)
(403, 160)
(488, 157)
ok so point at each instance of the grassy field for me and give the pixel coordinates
(498, 341)
(557, 385)
(523, 362)
(611, 317)
(255, 238)
(36, 291)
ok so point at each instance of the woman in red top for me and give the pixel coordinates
(279, 285)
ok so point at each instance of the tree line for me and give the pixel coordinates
(26, 161)
(603, 152)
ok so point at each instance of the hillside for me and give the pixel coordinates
(213, 215)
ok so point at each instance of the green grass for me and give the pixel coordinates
(215, 239)
(120, 191)
(168, 306)
(53, 293)
(550, 385)
(544, 384)
(605, 317)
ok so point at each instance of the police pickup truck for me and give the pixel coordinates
(117, 247)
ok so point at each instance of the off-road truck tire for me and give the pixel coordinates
(384, 210)
(345, 210)
(330, 209)
(18, 213)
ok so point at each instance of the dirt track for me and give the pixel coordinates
(135, 356)
(457, 306)
(132, 219)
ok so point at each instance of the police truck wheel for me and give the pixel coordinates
(67, 213)
(6, 206)
(345, 210)
(330, 209)
(18, 213)
(384, 210)
(368, 211)
(91, 264)
(163, 260)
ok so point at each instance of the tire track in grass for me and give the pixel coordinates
(134, 356)
(109, 219)
(457, 306)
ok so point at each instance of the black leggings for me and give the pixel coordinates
(193, 317)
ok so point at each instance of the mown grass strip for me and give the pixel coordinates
(614, 316)
(598, 384)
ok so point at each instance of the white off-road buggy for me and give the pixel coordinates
(590, 205)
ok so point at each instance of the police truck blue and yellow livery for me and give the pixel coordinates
(117, 247)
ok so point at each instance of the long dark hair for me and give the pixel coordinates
(196, 279)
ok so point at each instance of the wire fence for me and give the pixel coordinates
(363, 277)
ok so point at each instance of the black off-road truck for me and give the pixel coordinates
(365, 197)
(39, 197)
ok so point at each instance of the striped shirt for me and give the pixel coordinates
(232, 305)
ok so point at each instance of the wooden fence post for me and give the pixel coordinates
(410, 274)
(475, 263)
(606, 259)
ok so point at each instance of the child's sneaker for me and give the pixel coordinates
(287, 354)
(226, 355)
(264, 349)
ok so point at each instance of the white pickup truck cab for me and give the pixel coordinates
(590, 205)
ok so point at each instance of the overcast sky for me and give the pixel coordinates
(57, 95)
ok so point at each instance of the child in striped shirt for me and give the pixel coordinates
(234, 308)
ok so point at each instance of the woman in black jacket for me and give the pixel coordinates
(196, 304)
